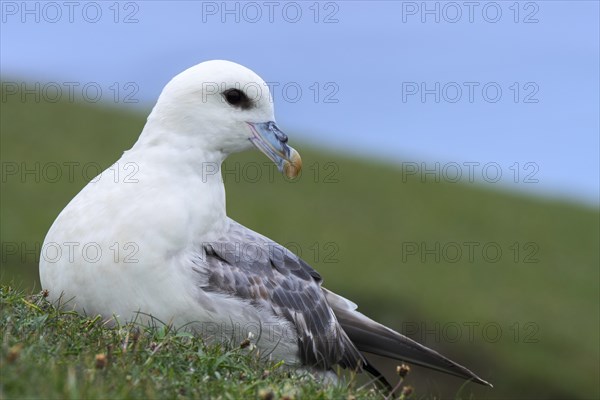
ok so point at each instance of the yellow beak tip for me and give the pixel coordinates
(293, 166)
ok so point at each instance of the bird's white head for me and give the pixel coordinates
(219, 106)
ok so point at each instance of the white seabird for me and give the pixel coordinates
(157, 240)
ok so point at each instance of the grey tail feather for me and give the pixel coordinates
(372, 337)
(379, 378)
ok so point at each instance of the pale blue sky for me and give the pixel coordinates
(369, 56)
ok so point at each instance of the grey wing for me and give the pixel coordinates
(250, 267)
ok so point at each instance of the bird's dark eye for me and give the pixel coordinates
(237, 98)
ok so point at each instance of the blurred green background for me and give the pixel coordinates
(526, 320)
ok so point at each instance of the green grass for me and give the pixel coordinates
(351, 221)
(63, 355)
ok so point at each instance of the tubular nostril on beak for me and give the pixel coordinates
(282, 137)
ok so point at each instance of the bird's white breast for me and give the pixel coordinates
(112, 250)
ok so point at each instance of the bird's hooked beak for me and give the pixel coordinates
(269, 139)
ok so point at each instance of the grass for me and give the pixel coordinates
(67, 356)
(533, 312)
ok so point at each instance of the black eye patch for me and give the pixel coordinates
(237, 98)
